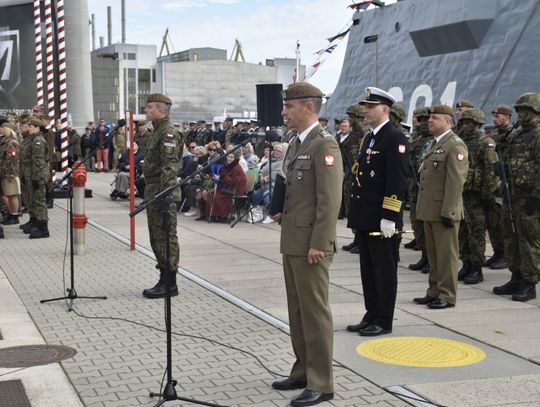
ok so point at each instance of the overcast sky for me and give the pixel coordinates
(266, 28)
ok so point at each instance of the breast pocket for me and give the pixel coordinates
(302, 173)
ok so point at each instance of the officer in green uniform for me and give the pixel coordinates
(480, 189)
(161, 163)
(440, 206)
(143, 135)
(314, 174)
(37, 175)
(501, 119)
(520, 153)
(419, 141)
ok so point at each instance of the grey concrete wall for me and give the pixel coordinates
(203, 89)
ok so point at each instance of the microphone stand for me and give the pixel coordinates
(71, 293)
(165, 199)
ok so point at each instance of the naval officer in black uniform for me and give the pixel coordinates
(376, 199)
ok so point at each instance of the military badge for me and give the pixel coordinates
(329, 160)
(304, 157)
(435, 164)
(372, 174)
(402, 148)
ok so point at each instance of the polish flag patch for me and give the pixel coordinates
(460, 157)
(329, 160)
(402, 148)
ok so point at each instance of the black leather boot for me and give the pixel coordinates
(475, 276)
(499, 264)
(465, 270)
(410, 245)
(27, 224)
(11, 219)
(420, 264)
(160, 281)
(158, 291)
(496, 256)
(31, 226)
(42, 231)
(526, 292)
(1, 232)
(509, 288)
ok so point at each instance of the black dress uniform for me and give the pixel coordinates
(377, 193)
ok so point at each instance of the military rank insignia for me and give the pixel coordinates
(329, 160)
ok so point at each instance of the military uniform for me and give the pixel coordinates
(481, 187)
(442, 176)
(75, 151)
(119, 143)
(520, 153)
(161, 164)
(314, 174)
(142, 140)
(25, 171)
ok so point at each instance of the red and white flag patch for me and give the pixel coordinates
(460, 157)
(329, 160)
(402, 148)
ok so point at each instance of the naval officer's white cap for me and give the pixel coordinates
(376, 96)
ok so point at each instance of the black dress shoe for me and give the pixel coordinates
(420, 264)
(426, 269)
(289, 383)
(439, 303)
(358, 327)
(310, 398)
(410, 245)
(355, 250)
(373, 330)
(424, 300)
(349, 246)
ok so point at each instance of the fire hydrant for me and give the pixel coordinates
(79, 218)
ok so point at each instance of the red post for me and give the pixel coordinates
(130, 134)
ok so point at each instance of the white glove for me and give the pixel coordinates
(388, 228)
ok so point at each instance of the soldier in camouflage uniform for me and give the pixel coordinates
(356, 114)
(461, 106)
(36, 174)
(74, 151)
(481, 186)
(520, 153)
(118, 142)
(397, 115)
(143, 135)
(161, 164)
(26, 185)
(9, 173)
(40, 113)
(420, 139)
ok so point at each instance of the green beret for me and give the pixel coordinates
(159, 97)
(34, 121)
(464, 103)
(301, 90)
(503, 109)
(442, 109)
(421, 112)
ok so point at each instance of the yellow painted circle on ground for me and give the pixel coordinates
(421, 351)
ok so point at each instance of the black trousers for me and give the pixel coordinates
(378, 267)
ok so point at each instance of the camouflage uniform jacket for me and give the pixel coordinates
(25, 158)
(521, 154)
(502, 132)
(163, 156)
(119, 140)
(143, 139)
(75, 144)
(9, 157)
(39, 158)
(481, 176)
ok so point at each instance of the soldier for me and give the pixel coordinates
(397, 115)
(313, 170)
(75, 150)
(440, 206)
(356, 114)
(418, 144)
(461, 106)
(376, 205)
(118, 142)
(36, 174)
(520, 153)
(40, 113)
(9, 174)
(143, 135)
(479, 191)
(161, 164)
(25, 157)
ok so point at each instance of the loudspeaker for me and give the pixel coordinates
(269, 104)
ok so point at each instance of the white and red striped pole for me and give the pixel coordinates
(62, 82)
(39, 55)
(50, 62)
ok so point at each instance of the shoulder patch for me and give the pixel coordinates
(169, 135)
(402, 148)
(460, 157)
(329, 160)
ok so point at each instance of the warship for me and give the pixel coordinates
(428, 52)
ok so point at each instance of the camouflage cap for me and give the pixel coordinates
(442, 109)
(34, 121)
(357, 111)
(464, 103)
(474, 114)
(301, 90)
(376, 96)
(503, 109)
(530, 100)
(421, 112)
(323, 119)
(159, 98)
(10, 125)
(398, 111)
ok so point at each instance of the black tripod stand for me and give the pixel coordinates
(165, 200)
(71, 293)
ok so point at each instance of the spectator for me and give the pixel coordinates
(122, 178)
(100, 139)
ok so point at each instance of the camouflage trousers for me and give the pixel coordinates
(37, 197)
(157, 231)
(472, 230)
(346, 197)
(25, 192)
(494, 226)
(418, 227)
(522, 249)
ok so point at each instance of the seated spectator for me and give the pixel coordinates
(247, 151)
(122, 177)
(261, 195)
(230, 182)
(214, 150)
(189, 190)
